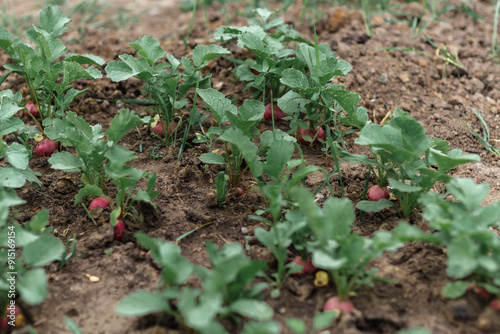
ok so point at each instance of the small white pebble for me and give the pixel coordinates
(244, 230)
(320, 196)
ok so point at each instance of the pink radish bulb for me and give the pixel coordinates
(119, 230)
(101, 202)
(32, 109)
(334, 303)
(278, 113)
(307, 266)
(158, 128)
(495, 304)
(45, 148)
(311, 133)
(240, 191)
(376, 193)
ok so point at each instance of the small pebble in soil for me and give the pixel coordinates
(244, 230)
(461, 312)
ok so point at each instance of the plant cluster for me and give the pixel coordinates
(292, 79)
(226, 288)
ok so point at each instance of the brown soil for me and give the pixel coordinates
(439, 97)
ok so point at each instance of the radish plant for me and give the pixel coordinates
(94, 148)
(267, 38)
(167, 82)
(125, 179)
(244, 119)
(17, 171)
(47, 74)
(336, 249)
(271, 165)
(24, 251)
(226, 288)
(403, 156)
(312, 93)
(467, 230)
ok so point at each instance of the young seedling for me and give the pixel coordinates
(94, 148)
(221, 188)
(312, 100)
(267, 37)
(47, 74)
(403, 156)
(16, 171)
(37, 248)
(244, 119)
(336, 249)
(125, 178)
(227, 289)
(466, 229)
(167, 83)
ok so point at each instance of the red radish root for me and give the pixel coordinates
(45, 148)
(101, 202)
(334, 303)
(278, 113)
(376, 193)
(119, 230)
(316, 135)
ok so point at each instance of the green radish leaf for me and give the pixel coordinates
(246, 147)
(175, 268)
(293, 103)
(324, 260)
(451, 159)
(11, 178)
(295, 79)
(18, 156)
(141, 303)
(278, 156)
(72, 326)
(253, 309)
(204, 53)
(148, 48)
(341, 209)
(212, 158)
(374, 206)
(85, 59)
(32, 286)
(38, 222)
(462, 257)
(9, 198)
(53, 20)
(66, 162)
(73, 71)
(8, 107)
(261, 327)
(88, 190)
(42, 251)
(217, 103)
(199, 310)
(403, 187)
(117, 157)
(129, 67)
(297, 326)
(323, 320)
(121, 124)
(250, 113)
(10, 125)
(302, 173)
